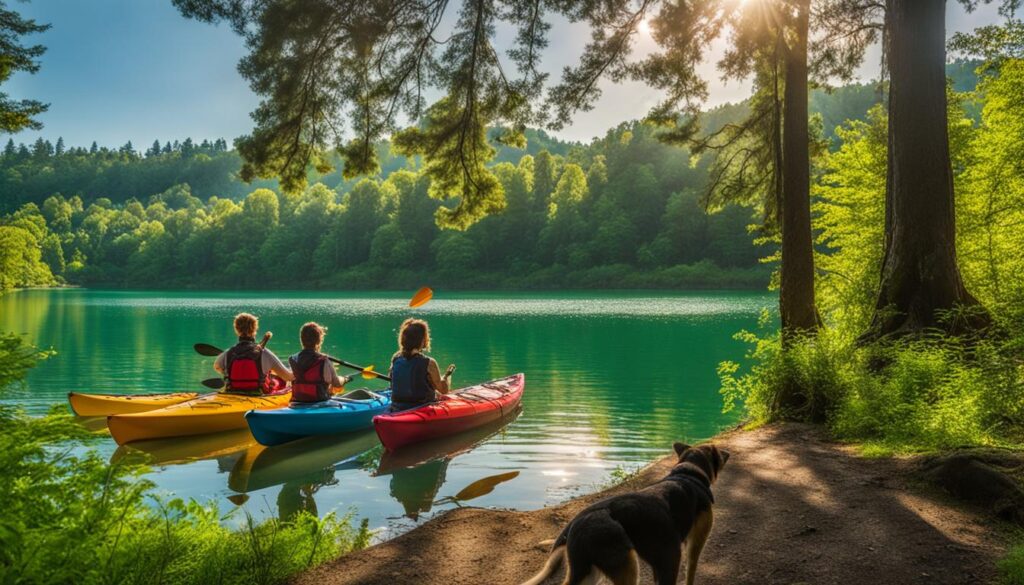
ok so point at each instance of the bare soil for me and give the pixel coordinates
(792, 507)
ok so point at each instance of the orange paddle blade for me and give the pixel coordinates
(421, 297)
(368, 373)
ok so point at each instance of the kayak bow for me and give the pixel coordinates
(206, 414)
(109, 404)
(460, 411)
(342, 414)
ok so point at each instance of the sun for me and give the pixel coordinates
(644, 26)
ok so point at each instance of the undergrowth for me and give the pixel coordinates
(909, 396)
(70, 517)
(1011, 566)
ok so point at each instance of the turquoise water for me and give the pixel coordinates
(612, 380)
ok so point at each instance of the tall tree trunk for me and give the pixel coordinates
(797, 308)
(796, 295)
(920, 277)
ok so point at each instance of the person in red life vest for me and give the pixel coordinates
(248, 367)
(316, 379)
(415, 378)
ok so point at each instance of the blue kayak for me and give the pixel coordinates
(350, 412)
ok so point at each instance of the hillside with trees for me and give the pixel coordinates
(625, 209)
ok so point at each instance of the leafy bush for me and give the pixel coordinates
(1011, 567)
(70, 517)
(915, 395)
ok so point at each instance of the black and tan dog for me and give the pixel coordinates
(653, 524)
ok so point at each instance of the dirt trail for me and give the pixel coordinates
(791, 508)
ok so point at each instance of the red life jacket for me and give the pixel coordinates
(309, 384)
(243, 368)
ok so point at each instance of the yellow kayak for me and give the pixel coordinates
(175, 450)
(211, 413)
(109, 404)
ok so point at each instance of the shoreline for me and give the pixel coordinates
(792, 505)
(711, 288)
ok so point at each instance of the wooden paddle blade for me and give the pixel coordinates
(215, 383)
(266, 338)
(368, 373)
(482, 487)
(207, 349)
(421, 297)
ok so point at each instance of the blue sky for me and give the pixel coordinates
(119, 70)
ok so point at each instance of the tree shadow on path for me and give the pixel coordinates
(791, 507)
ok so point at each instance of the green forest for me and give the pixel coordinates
(885, 217)
(626, 211)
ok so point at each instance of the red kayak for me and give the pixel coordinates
(460, 411)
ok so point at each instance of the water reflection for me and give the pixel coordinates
(583, 416)
(418, 471)
(312, 460)
(296, 497)
(225, 447)
(94, 424)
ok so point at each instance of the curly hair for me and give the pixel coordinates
(413, 335)
(246, 324)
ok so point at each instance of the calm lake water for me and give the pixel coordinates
(612, 380)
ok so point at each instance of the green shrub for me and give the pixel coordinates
(1011, 567)
(70, 517)
(803, 382)
(910, 396)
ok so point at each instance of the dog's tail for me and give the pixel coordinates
(554, 560)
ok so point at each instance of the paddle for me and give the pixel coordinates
(367, 372)
(480, 487)
(421, 297)
(211, 351)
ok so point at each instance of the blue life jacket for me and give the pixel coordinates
(409, 382)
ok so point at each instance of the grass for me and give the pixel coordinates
(1011, 567)
(70, 517)
(909, 397)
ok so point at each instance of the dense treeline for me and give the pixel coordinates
(31, 173)
(625, 211)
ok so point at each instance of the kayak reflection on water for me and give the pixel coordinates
(418, 471)
(226, 447)
(306, 459)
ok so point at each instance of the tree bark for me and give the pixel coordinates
(798, 311)
(920, 278)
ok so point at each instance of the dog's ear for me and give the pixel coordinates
(724, 454)
(680, 447)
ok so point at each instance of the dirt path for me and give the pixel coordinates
(791, 508)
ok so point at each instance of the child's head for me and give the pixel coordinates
(312, 335)
(413, 335)
(246, 325)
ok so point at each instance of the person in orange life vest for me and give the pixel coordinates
(316, 379)
(415, 378)
(247, 367)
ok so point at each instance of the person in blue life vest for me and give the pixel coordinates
(316, 379)
(248, 367)
(415, 377)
